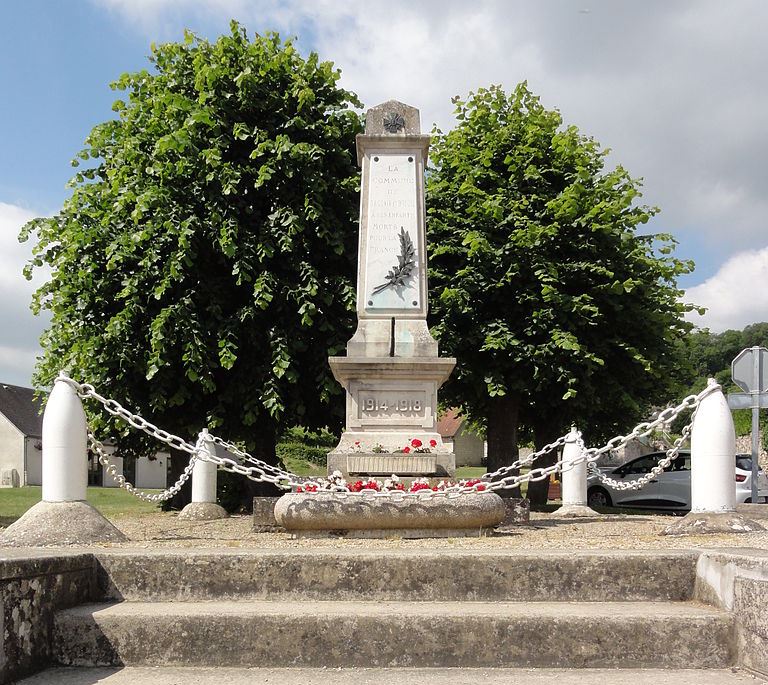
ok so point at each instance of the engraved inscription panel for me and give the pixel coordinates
(392, 245)
(390, 403)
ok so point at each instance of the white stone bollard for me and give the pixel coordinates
(65, 446)
(713, 450)
(713, 469)
(63, 517)
(573, 481)
(203, 506)
(204, 474)
(574, 478)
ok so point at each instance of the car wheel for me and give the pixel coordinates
(598, 497)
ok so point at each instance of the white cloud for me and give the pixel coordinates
(20, 328)
(672, 88)
(737, 295)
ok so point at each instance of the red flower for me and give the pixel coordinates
(406, 450)
(433, 443)
(419, 486)
(299, 489)
(415, 442)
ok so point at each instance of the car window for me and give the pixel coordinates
(743, 462)
(641, 464)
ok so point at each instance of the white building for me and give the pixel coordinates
(21, 447)
(21, 430)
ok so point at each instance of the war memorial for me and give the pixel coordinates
(414, 579)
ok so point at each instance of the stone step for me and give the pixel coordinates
(415, 574)
(395, 634)
(394, 676)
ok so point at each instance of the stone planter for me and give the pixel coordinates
(362, 515)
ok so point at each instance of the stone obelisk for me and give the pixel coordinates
(392, 370)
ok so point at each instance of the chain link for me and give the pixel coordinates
(98, 448)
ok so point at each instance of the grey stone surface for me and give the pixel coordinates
(705, 523)
(390, 676)
(203, 511)
(756, 512)
(516, 510)
(573, 511)
(385, 634)
(410, 574)
(390, 533)
(375, 118)
(264, 515)
(31, 590)
(60, 523)
(738, 582)
(327, 511)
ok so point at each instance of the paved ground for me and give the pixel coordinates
(166, 530)
(420, 676)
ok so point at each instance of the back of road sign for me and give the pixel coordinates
(749, 369)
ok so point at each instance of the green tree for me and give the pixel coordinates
(556, 309)
(202, 269)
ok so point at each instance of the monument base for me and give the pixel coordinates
(60, 523)
(708, 523)
(378, 465)
(403, 533)
(203, 511)
(363, 515)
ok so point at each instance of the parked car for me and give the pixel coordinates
(671, 489)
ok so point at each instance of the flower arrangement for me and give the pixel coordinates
(336, 483)
(414, 445)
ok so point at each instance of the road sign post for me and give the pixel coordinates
(749, 371)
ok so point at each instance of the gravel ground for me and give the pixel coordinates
(166, 530)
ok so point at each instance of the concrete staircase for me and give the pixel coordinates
(395, 609)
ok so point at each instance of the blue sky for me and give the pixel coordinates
(676, 90)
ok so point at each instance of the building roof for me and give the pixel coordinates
(448, 424)
(21, 408)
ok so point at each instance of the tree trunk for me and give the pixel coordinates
(264, 449)
(502, 436)
(178, 462)
(543, 434)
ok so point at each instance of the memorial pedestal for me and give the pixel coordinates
(391, 401)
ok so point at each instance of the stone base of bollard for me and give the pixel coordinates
(516, 511)
(60, 523)
(264, 515)
(574, 511)
(203, 511)
(707, 523)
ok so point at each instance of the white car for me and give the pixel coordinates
(671, 489)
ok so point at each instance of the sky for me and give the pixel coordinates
(677, 89)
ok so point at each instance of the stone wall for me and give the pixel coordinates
(738, 582)
(33, 586)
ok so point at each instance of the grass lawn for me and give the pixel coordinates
(109, 501)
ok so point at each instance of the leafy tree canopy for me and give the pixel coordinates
(555, 307)
(203, 268)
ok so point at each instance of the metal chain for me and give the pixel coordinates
(98, 448)
(260, 471)
(86, 391)
(254, 461)
(523, 461)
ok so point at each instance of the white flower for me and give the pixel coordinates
(394, 478)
